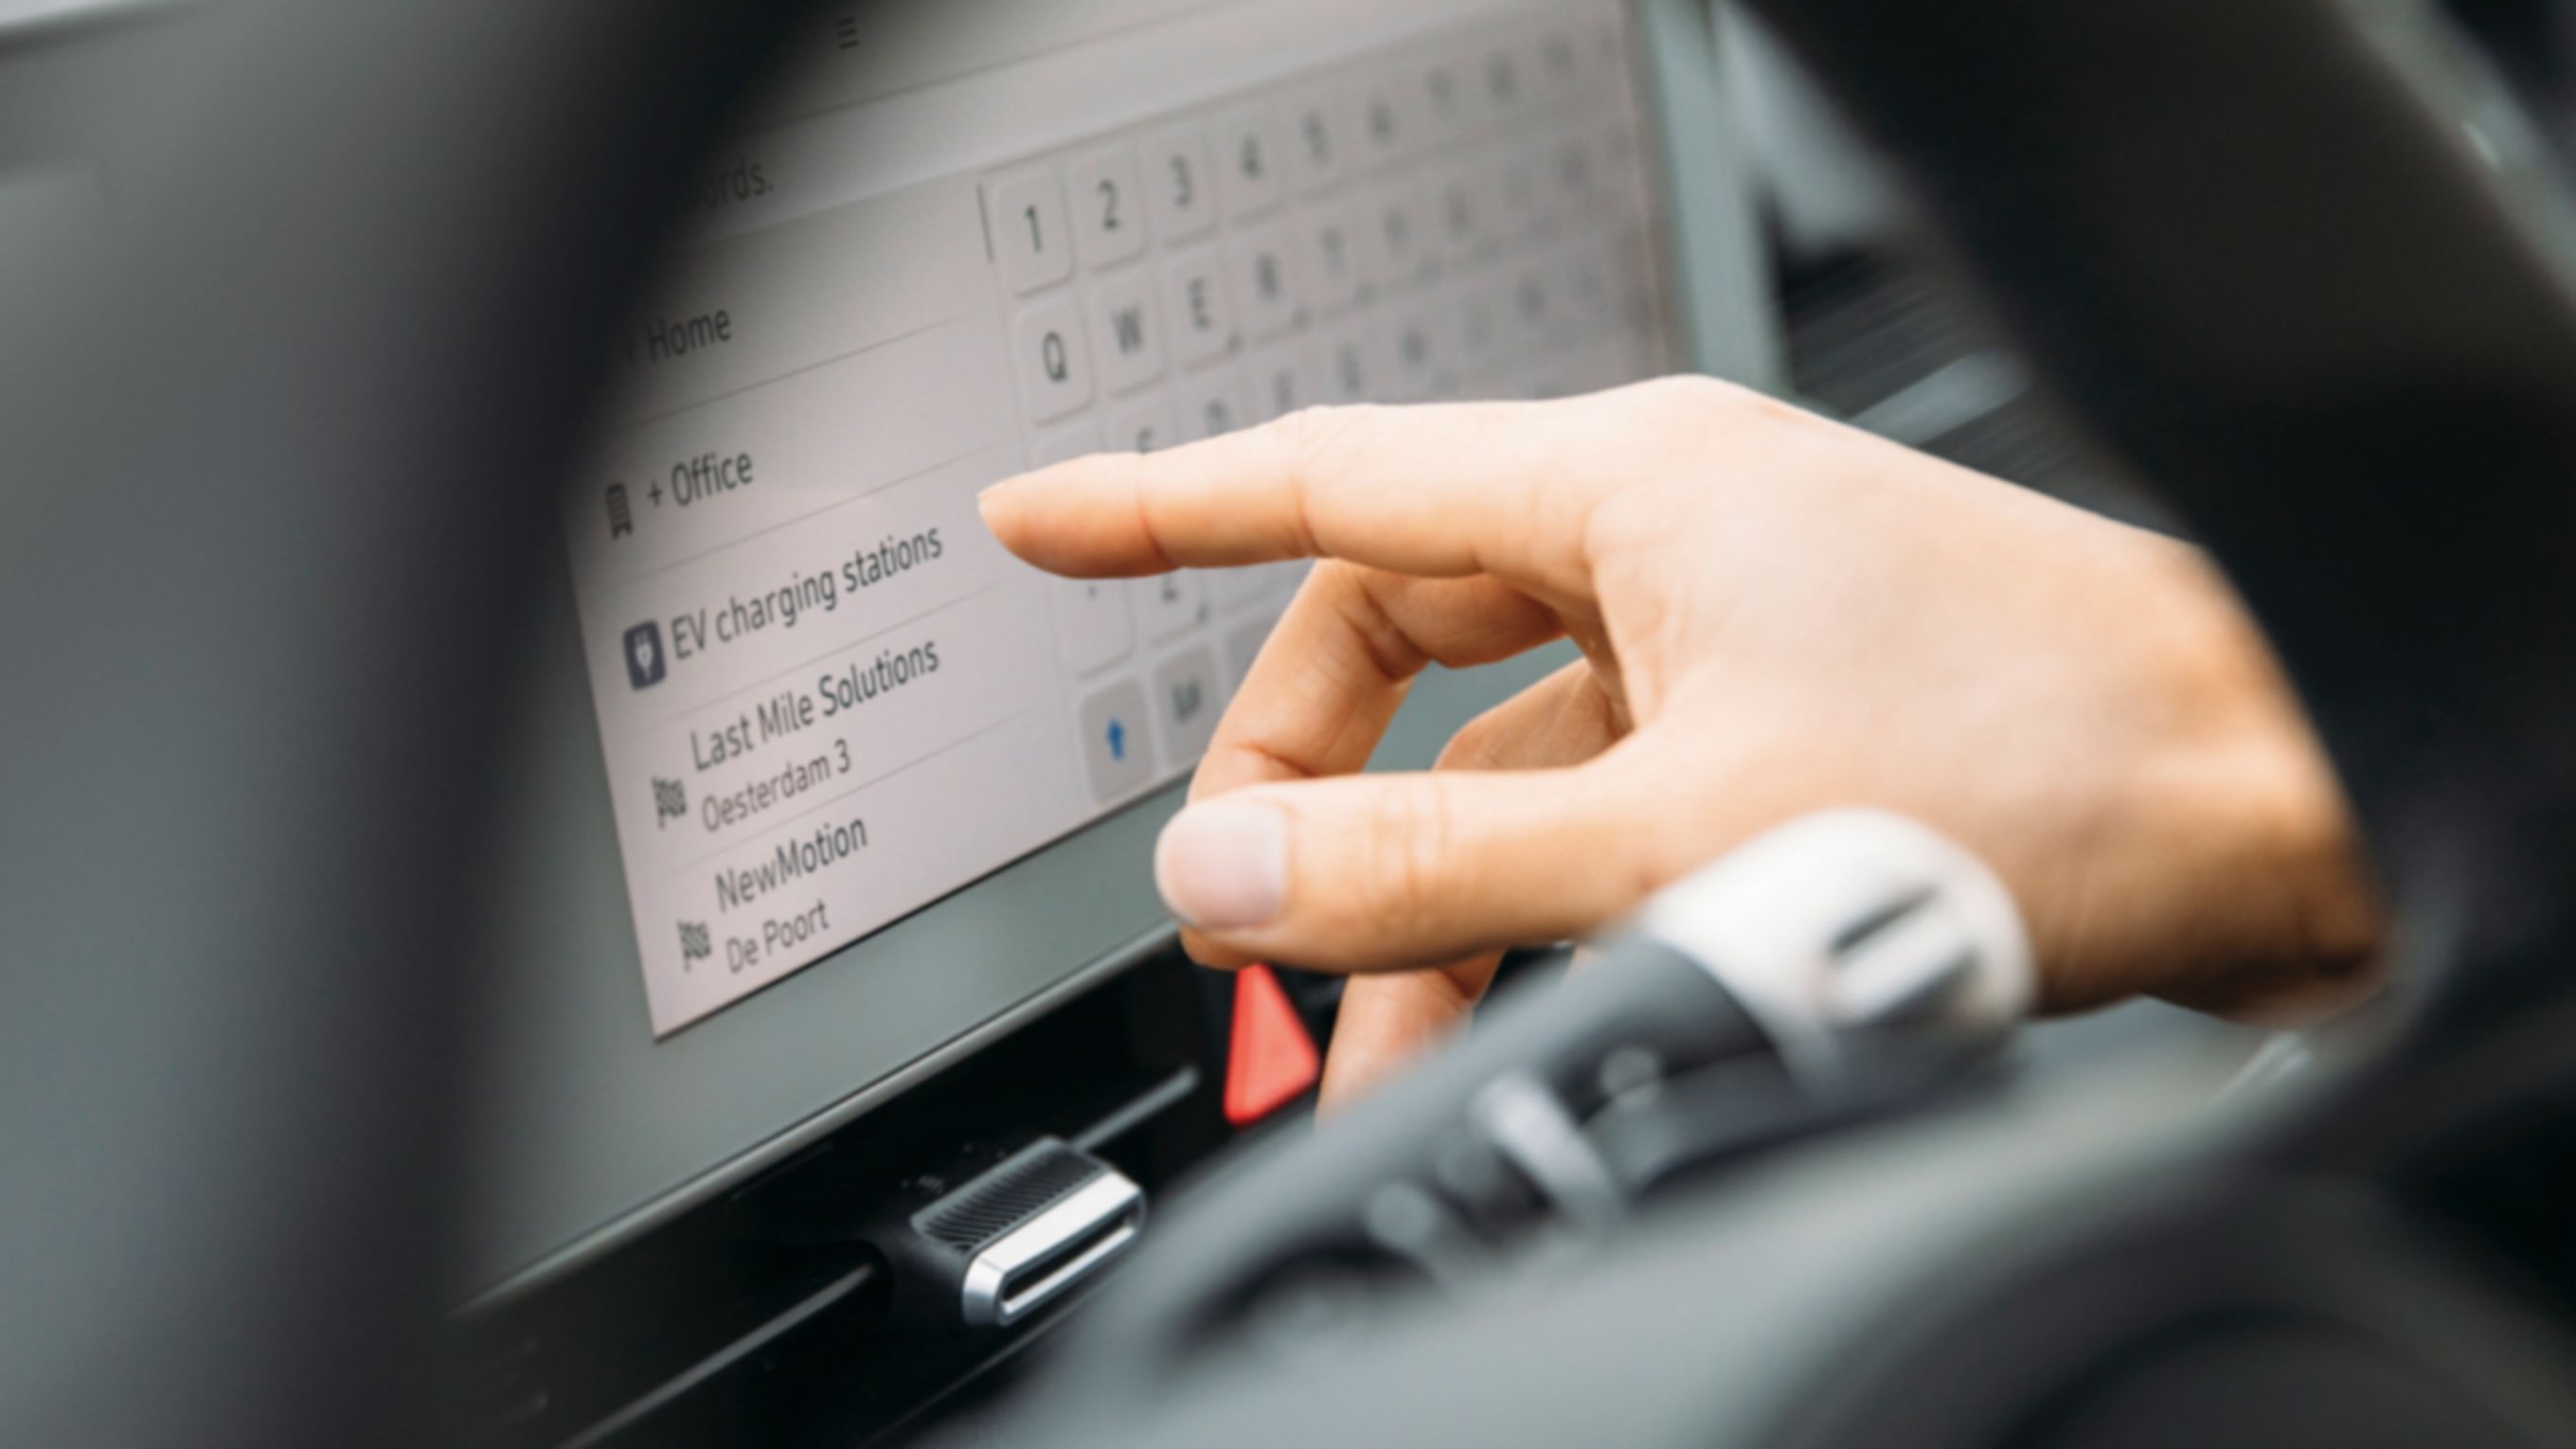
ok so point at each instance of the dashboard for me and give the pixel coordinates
(816, 963)
(817, 791)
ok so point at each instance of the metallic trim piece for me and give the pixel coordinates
(1032, 1264)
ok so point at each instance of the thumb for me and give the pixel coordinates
(1370, 872)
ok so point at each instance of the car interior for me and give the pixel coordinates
(562, 890)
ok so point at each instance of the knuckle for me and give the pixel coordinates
(1391, 652)
(1311, 446)
(1312, 439)
(1695, 400)
(1412, 845)
(1688, 394)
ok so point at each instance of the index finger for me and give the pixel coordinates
(1443, 490)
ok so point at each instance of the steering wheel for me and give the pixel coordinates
(287, 420)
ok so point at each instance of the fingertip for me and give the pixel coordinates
(1018, 483)
(999, 507)
(1029, 515)
(1067, 518)
(1207, 951)
(1223, 865)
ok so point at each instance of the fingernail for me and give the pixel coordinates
(1223, 866)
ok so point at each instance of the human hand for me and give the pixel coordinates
(1777, 614)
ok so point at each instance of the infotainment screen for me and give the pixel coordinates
(825, 696)
(818, 789)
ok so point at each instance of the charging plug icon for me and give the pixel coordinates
(645, 662)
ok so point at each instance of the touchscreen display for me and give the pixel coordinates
(825, 696)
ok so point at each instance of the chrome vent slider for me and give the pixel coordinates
(1014, 1238)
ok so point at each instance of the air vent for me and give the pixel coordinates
(1000, 1200)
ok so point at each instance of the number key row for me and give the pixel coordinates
(1253, 157)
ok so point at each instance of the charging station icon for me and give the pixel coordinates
(645, 662)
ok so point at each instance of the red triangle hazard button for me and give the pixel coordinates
(1272, 1062)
